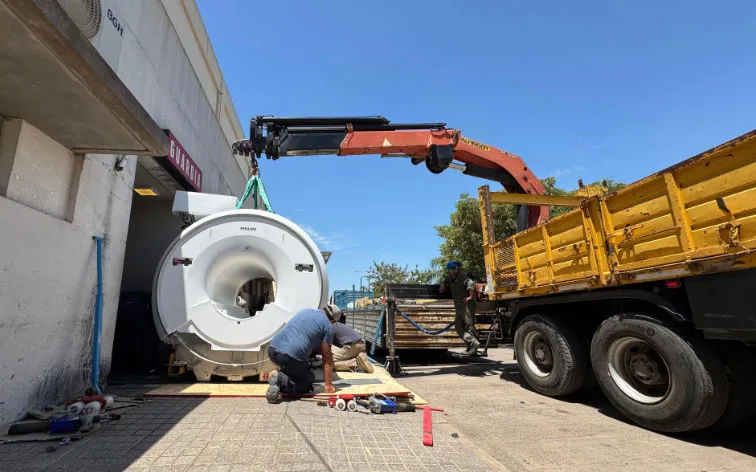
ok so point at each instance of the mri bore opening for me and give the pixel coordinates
(255, 294)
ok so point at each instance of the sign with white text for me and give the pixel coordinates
(179, 162)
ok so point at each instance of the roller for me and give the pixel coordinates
(229, 282)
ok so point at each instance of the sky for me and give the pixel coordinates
(592, 90)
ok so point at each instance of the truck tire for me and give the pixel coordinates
(741, 370)
(656, 376)
(551, 357)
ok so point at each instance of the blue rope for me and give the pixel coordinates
(377, 333)
(427, 331)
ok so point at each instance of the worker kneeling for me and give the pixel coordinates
(349, 350)
(290, 350)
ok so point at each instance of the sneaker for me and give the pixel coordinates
(273, 395)
(364, 363)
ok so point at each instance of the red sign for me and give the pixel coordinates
(184, 164)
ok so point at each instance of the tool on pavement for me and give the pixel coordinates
(343, 402)
(428, 424)
(379, 404)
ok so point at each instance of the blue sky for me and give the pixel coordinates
(591, 90)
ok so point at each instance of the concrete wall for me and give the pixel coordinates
(151, 230)
(48, 264)
(52, 202)
(155, 63)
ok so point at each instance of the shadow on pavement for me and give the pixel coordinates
(742, 440)
(144, 435)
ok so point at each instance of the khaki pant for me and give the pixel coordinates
(343, 356)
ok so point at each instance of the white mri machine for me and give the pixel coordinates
(229, 282)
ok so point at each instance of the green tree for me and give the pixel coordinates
(549, 184)
(463, 236)
(384, 273)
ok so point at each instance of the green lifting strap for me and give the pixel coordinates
(255, 187)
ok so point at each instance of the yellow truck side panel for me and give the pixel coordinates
(695, 217)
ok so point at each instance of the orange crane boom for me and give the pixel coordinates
(433, 143)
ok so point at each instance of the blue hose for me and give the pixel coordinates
(377, 333)
(427, 331)
(97, 321)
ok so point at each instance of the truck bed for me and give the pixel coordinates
(698, 216)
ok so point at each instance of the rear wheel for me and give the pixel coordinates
(551, 357)
(741, 366)
(656, 376)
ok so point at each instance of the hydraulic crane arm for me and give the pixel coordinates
(433, 143)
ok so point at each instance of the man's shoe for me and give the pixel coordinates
(273, 395)
(472, 349)
(364, 362)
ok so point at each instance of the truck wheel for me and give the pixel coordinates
(551, 357)
(741, 366)
(657, 377)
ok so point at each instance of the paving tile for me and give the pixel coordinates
(248, 434)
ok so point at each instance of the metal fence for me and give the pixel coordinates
(346, 299)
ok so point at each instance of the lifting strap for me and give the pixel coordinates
(255, 187)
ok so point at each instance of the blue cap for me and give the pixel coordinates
(453, 265)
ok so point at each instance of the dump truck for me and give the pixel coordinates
(645, 291)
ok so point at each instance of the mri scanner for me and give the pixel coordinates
(229, 282)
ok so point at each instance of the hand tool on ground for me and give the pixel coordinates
(428, 424)
(343, 402)
(379, 404)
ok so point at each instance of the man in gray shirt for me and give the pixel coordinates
(349, 349)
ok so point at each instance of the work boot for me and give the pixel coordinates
(364, 362)
(472, 349)
(273, 395)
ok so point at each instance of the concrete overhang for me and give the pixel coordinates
(54, 78)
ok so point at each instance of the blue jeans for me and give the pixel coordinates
(295, 376)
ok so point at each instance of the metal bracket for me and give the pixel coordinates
(186, 261)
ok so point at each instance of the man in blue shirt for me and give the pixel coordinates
(290, 350)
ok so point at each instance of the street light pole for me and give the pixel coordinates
(365, 277)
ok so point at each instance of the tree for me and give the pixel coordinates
(549, 184)
(384, 273)
(463, 236)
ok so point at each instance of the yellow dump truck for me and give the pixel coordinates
(646, 291)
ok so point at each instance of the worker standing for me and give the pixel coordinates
(463, 292)
(290, 350)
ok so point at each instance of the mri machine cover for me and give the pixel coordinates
(197, 282)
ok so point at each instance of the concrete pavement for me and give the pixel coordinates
(524, 431)
(247, 434)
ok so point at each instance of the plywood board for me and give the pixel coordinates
(380, 382)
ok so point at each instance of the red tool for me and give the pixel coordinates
(428, 424)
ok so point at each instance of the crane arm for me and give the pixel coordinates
(433, 143)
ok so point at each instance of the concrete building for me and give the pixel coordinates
(107, 108)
